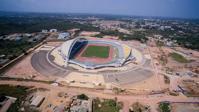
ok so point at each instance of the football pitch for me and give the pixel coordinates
(96, 51)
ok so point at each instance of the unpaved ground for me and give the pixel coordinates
(24, 69)
(151, 84)
(52, 98)
(185, 107)
(151, 100)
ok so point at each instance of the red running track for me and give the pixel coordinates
(95, 60)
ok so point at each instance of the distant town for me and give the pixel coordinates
(98, 63)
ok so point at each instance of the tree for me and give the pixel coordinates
(82, 97)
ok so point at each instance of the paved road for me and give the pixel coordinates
(130, 76)
(41, 64)
(127, 99)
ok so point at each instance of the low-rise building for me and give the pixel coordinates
(81, 106)
(53, 30)
(6, 102)
(44, 31)
(64, 36)
(37, 100)
(3, 61)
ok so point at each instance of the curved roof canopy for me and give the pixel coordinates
(67, 46)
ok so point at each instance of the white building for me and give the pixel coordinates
(67, 51)
(37, 100)
(44, 31)
(64, 35)
(53, 30)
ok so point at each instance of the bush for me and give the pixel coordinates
(164, 107)
(138, 107)
(82, 97)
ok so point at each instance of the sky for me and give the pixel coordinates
(164, 8)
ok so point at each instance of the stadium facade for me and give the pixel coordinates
(69, 50)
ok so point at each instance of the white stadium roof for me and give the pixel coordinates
(124, 52)
(66, 47)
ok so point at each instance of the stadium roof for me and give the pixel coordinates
(67, 47)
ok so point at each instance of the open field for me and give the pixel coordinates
(96, 51)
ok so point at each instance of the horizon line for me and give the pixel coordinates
(129, 15)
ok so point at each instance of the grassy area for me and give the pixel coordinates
(18, 92)
(96, 51)
(164, 107)
(179, 58)
(107, 105)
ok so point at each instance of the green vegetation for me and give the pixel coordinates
(138, 107)
(179, 58)
(14, 91)
(12, 49)
(96, 51)
(22, 79)
(107, 105)
(137, 35)
(189, 41)
(18, 92)
(165, 107)
(111, 33)
(82, 97)
(99, 35)
(36, 24)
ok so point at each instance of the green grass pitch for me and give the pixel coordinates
(96, 51)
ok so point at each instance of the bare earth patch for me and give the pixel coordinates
(24, 69)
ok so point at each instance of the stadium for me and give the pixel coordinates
(90, 62)
(95, 53)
